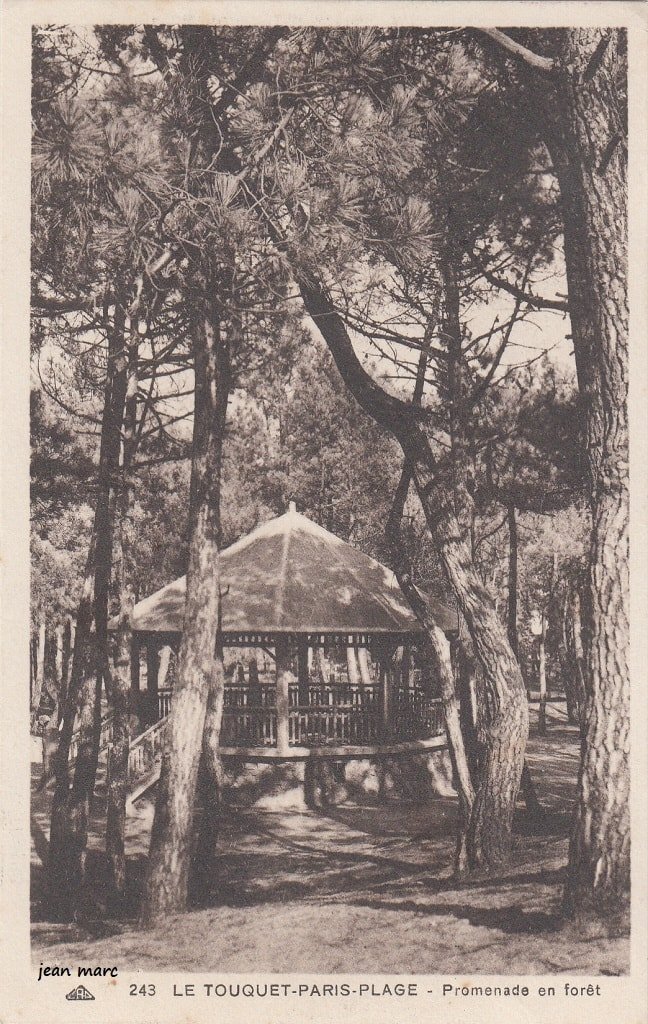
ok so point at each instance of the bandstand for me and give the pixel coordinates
(301, 597)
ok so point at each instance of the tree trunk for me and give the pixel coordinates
(197, 672)
(439, 655)
(542, 680)
(504, 726)
(210, 785)
(71, 805)
(72, 628)
(364, 665)
(489, 841)
(352, 667)
(573, 641)
(39, 675)
(583, 122)
(511, 616)
(59, 677)
(533, 805)
(120, 688)
(321, 666)
(67, 835)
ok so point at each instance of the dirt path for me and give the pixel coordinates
(364, 889)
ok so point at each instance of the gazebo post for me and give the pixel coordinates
(405, 667)
(282, 664)
(302, 670)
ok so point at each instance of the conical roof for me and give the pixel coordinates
(292, 576)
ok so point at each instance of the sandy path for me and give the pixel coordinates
(365, 889)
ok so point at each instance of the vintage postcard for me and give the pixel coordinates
(323, 512)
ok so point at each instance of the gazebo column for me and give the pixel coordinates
(282, 663)
(303, 677)
(405, 667)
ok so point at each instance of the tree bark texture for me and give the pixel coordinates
(39, 675)
(584, 129)
(71, 803)
(533, 805)
(119, 682)
(439, 654)
(172, 837)
(490, 836)
(574, 658)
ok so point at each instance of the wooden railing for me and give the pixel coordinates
(333, 696)
(416, 716)
(262, 695)
(335, 716)
(249, 727)
(164, 703)
(333, 725)
(146, 750)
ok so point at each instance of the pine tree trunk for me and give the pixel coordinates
(172, 837)
(364, 665)
(59, 678)
(120, 689)
(505, 723)
(40, 669)
(65, 854)
(573, 641)
(506, 716)
(210, 786)
(439, 654)
(71, 804)
(584, 131)
(533, 805)
(352, 667)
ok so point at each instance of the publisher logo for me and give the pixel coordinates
(80, 992)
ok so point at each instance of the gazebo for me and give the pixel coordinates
(293, 589)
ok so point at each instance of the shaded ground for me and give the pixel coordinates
(353, 889)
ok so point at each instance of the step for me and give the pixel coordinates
(142, 786)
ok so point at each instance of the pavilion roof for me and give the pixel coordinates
(292, 576)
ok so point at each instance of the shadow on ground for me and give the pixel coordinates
(353, 888)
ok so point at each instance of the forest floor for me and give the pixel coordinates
(353, 889)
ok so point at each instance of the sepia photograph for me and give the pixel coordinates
(329, 509)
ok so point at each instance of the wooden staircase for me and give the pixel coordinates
(144, 760)
(144, 756)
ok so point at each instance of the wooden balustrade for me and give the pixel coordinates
(337, 724)
(146, 750)
(335, 716)
(249, 727)
(164, 703)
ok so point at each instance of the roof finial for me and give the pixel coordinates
(291, 506)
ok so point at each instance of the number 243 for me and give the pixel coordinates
(142, 990)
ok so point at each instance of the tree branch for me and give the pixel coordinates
(533, 60)
(536, 301)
